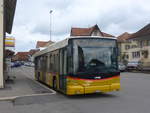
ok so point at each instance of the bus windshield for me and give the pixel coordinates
(95, 55)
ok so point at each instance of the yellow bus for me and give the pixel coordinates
(79, 65)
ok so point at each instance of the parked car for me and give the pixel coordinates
(29, 64)
(134, 65)
(32, 65)
(122, 67)
(16, 64)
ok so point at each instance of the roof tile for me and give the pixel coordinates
(43, 43)
(142, 32)
(88, 31)
(124, 36)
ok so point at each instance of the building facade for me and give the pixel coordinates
(7, 10)
(135, 47)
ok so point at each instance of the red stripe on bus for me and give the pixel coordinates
(75, 78)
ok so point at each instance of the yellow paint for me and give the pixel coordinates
(57, 80)
(47, 78)
(51, 80)
(74, 89)
(9, 38)
(9, 41)
(35, 75)
(79, 86)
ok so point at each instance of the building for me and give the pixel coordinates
(43, 44)
(31, 53)
(7, 11)
(124, 44)
(92, 31)
(136, 46)
(25, 56)
(141, 51)
(21, 56)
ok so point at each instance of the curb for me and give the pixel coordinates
(8, 98)
(15, 97)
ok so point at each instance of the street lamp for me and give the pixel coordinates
(51, 24)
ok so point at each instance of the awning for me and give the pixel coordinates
(9, 10)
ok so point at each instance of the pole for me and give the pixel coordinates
(51, 25)
(2, 35)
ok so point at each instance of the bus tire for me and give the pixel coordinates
(54, 83)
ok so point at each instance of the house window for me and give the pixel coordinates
(145, 54)
(133, 54)
(95, 33)
(133, 46)
(127, 47)
(127, 56)
(146, 43)
(136, 54)
(140, 44)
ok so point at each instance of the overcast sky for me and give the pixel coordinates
(32, 18)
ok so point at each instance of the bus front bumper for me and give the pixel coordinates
(78, 89)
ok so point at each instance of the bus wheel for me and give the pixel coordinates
(54, 84)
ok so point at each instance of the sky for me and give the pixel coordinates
(32, 18)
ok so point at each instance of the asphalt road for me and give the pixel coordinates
(134, 97)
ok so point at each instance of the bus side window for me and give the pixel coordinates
(56, 63)
(69, 60)
(65, 62)
(50, 68)
(61, 61)
(36, 63)
(41, 59)
(44, 63)
(48, 63)
(52, 63)
(40, 64)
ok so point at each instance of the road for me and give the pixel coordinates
(134, 97)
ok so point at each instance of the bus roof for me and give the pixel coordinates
(64, 43)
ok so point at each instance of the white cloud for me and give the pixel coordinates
(113, 16)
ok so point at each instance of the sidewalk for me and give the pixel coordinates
(23, 84)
